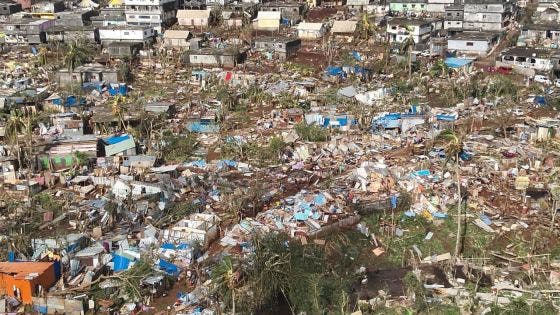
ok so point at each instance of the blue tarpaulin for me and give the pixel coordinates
(120, 263)
(393, 201)
(422, 173)
(539, 100)
(444, 117)
(116, 139)
(203, 127)
(117, 89)
(197, 163)
(229, 163)
(453, 62)
(356, 55)
(319, 200)
(465, 156)
(285, 21)
(71, 101)
(169, 268)
(335, 71)
(170, 246)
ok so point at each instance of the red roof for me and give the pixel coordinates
(21, 270)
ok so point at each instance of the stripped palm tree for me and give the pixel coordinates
(14, 126)
(407, 45)
(118, 109)
(225, 280)
(453, 143)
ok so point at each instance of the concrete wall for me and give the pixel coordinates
(212, 60)
(267, 25)
(199, 22)
(407, 7)
(464, 46)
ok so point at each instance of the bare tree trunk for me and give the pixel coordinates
(409, 61)
(459, 218)
(233, 302)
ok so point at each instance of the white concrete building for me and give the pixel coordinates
(539, 59)
(194, 18)
(125, 34)
(311, 30)
(476, 44)
(159, 14)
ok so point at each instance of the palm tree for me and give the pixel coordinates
(76, 54)
(439, 69)
(118, 109)
(407, 45)
(14, 126)
(453, 147)
(43, 56)
(225, 280)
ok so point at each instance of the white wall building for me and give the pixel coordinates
(156, 13)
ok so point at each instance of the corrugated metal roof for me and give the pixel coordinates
(310, 26)
(269, 15)
(23, 269)
(193, 14)
(344, 27)
(176, 34)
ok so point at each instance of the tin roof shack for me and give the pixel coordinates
(71, 124)
(216, 57)
(8, 170)
(117, 145)
(94, 257)
(307, 30)
(540, 35)
(193, 18)
(69, 243)
(74, 18)
(24, 280)
(267, 21)
(26, 31)
(476, 44)
(357, 4)
(527, 60)
(92, 72)
(177, 39)
(9, 8)
(282, 47)
(290, 10)
(546, 129)
(166, 108)
(48, 7)
(199, 228)
(202, 124)
(61, 154)
(235, 19)
(109, 16)
(344, 29)
(71, 33)
(139, 163)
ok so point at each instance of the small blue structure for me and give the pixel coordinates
(169, 268)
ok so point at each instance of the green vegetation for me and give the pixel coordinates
(312, 133)
(309, 278)
(177, 148)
